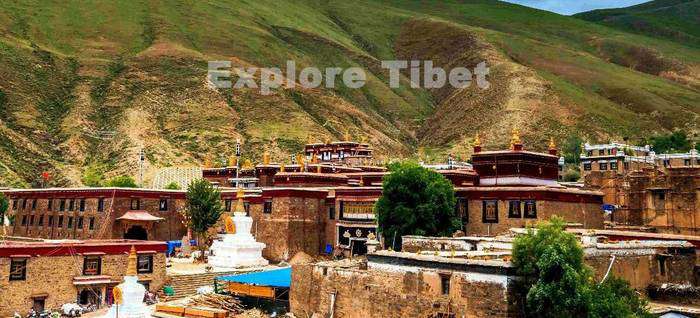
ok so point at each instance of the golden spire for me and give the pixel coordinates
(232, 161)
(552, 145)
(515, 139)
(300, 161)
(247, 164)
(314, 158)
(282, 167)
(318, 169)
(131, 265)
(239, 205)
(266, 158)
(477, 140)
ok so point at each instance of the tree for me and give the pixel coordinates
(675, 142)
(122, 182)
(93, 176)
(559, 284)
(415, 201)
(203, 209)
(173, 186)
(4, 205)
(572, 149)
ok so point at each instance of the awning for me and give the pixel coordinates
(274, 278)
(92, 280)
(139, 215)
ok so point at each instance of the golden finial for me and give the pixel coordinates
(318, 169)
(266, 158)
(282, 167)
(314, 158)
(131, 265)
(477, 140)
(247, 164)
(232, 161)
(300, 161)
(552, 145)
(515, 139)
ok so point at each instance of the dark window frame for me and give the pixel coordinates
(515, 214)
(59, 223)
(587, 166)
(331, 212)
(18, 262)
(602, 166)
(49, 204)
(91, 223)
(71, 205)
(62, 205)
(81, 205)
(100, 205)
(445, 283)
(79, 222)
(484, 218)
(267, 207)
(532, 203)
(69, 224)
(163, 205)
(89, 270)
(50, 221)
(135, 204)
(149, 264)
(613, 165)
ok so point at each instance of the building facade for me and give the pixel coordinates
(47, 274)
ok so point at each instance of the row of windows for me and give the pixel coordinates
(92, 265)
(29, 220)
(79, 204)
(613, 165)
(267, 206)
(516, 209)
(61, 205)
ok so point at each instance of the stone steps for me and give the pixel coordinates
(187, 284)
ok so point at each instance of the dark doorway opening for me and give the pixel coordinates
(136, 232)
(89, 296)
(359, 247)
(38, 304)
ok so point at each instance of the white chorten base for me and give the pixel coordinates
(232, 253)
(133, 306)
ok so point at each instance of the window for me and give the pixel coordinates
(100, 205)
(41, 220)
(626, 165)
(49, 204)
(463, 210)
(92, 265)
(490, 211)
(145, 264)
(34, 205)
(613, 165)
(331, 213)
(82, 205)
(24, 220)
(267, 207)
(18, 269)
(601, 152)
(14, 204)
(163, 205)
(50, 222)
(31, 220)
(667, 162)
(590, 153)
(135, 204)
(662, 264)
(445, 283)
(530, 209)
(62, 205)
(514, 210)
(587, 166)
(60, 221)
(24, 204)
(603, 166)
(246, 207)
(91, 225)
(686, 162)
(71, 205)
(227, 205)
(79, 222)
(70, 222)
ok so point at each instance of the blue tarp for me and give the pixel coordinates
(274, 278)
(173, 244)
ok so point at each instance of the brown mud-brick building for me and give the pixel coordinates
(48, 274)
(318, 207)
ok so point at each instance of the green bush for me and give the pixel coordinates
(122, 182)
(173, 186)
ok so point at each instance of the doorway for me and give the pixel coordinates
(136, 232)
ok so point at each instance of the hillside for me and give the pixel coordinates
(675, 20)
(85, 86)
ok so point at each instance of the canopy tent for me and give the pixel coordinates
(281, 278)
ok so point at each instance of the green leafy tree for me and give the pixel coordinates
(173, 186)
(93, 176)
(122, 182)
(572, 149)
(203, 209)
(4, 205)
(560, 285)
(675, 142)
(415, 201)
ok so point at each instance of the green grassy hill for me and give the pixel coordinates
(675, 20)
(84, 85)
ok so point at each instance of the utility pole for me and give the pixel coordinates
(142, 159)
(238, 159)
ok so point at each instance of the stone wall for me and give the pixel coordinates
(400, 293)
(52, 277)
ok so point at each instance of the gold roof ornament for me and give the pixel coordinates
(131, 265)
(552, 145)
(318, 169)
(232, 161)
(266, 158)
(300, 161)
(247, 164)
(515, 138)
(371, 236)
(477, 140)
(282, 167)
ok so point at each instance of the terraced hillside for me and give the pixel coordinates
(84, 85)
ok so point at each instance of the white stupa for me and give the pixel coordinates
(128, 296)
(237, 247)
